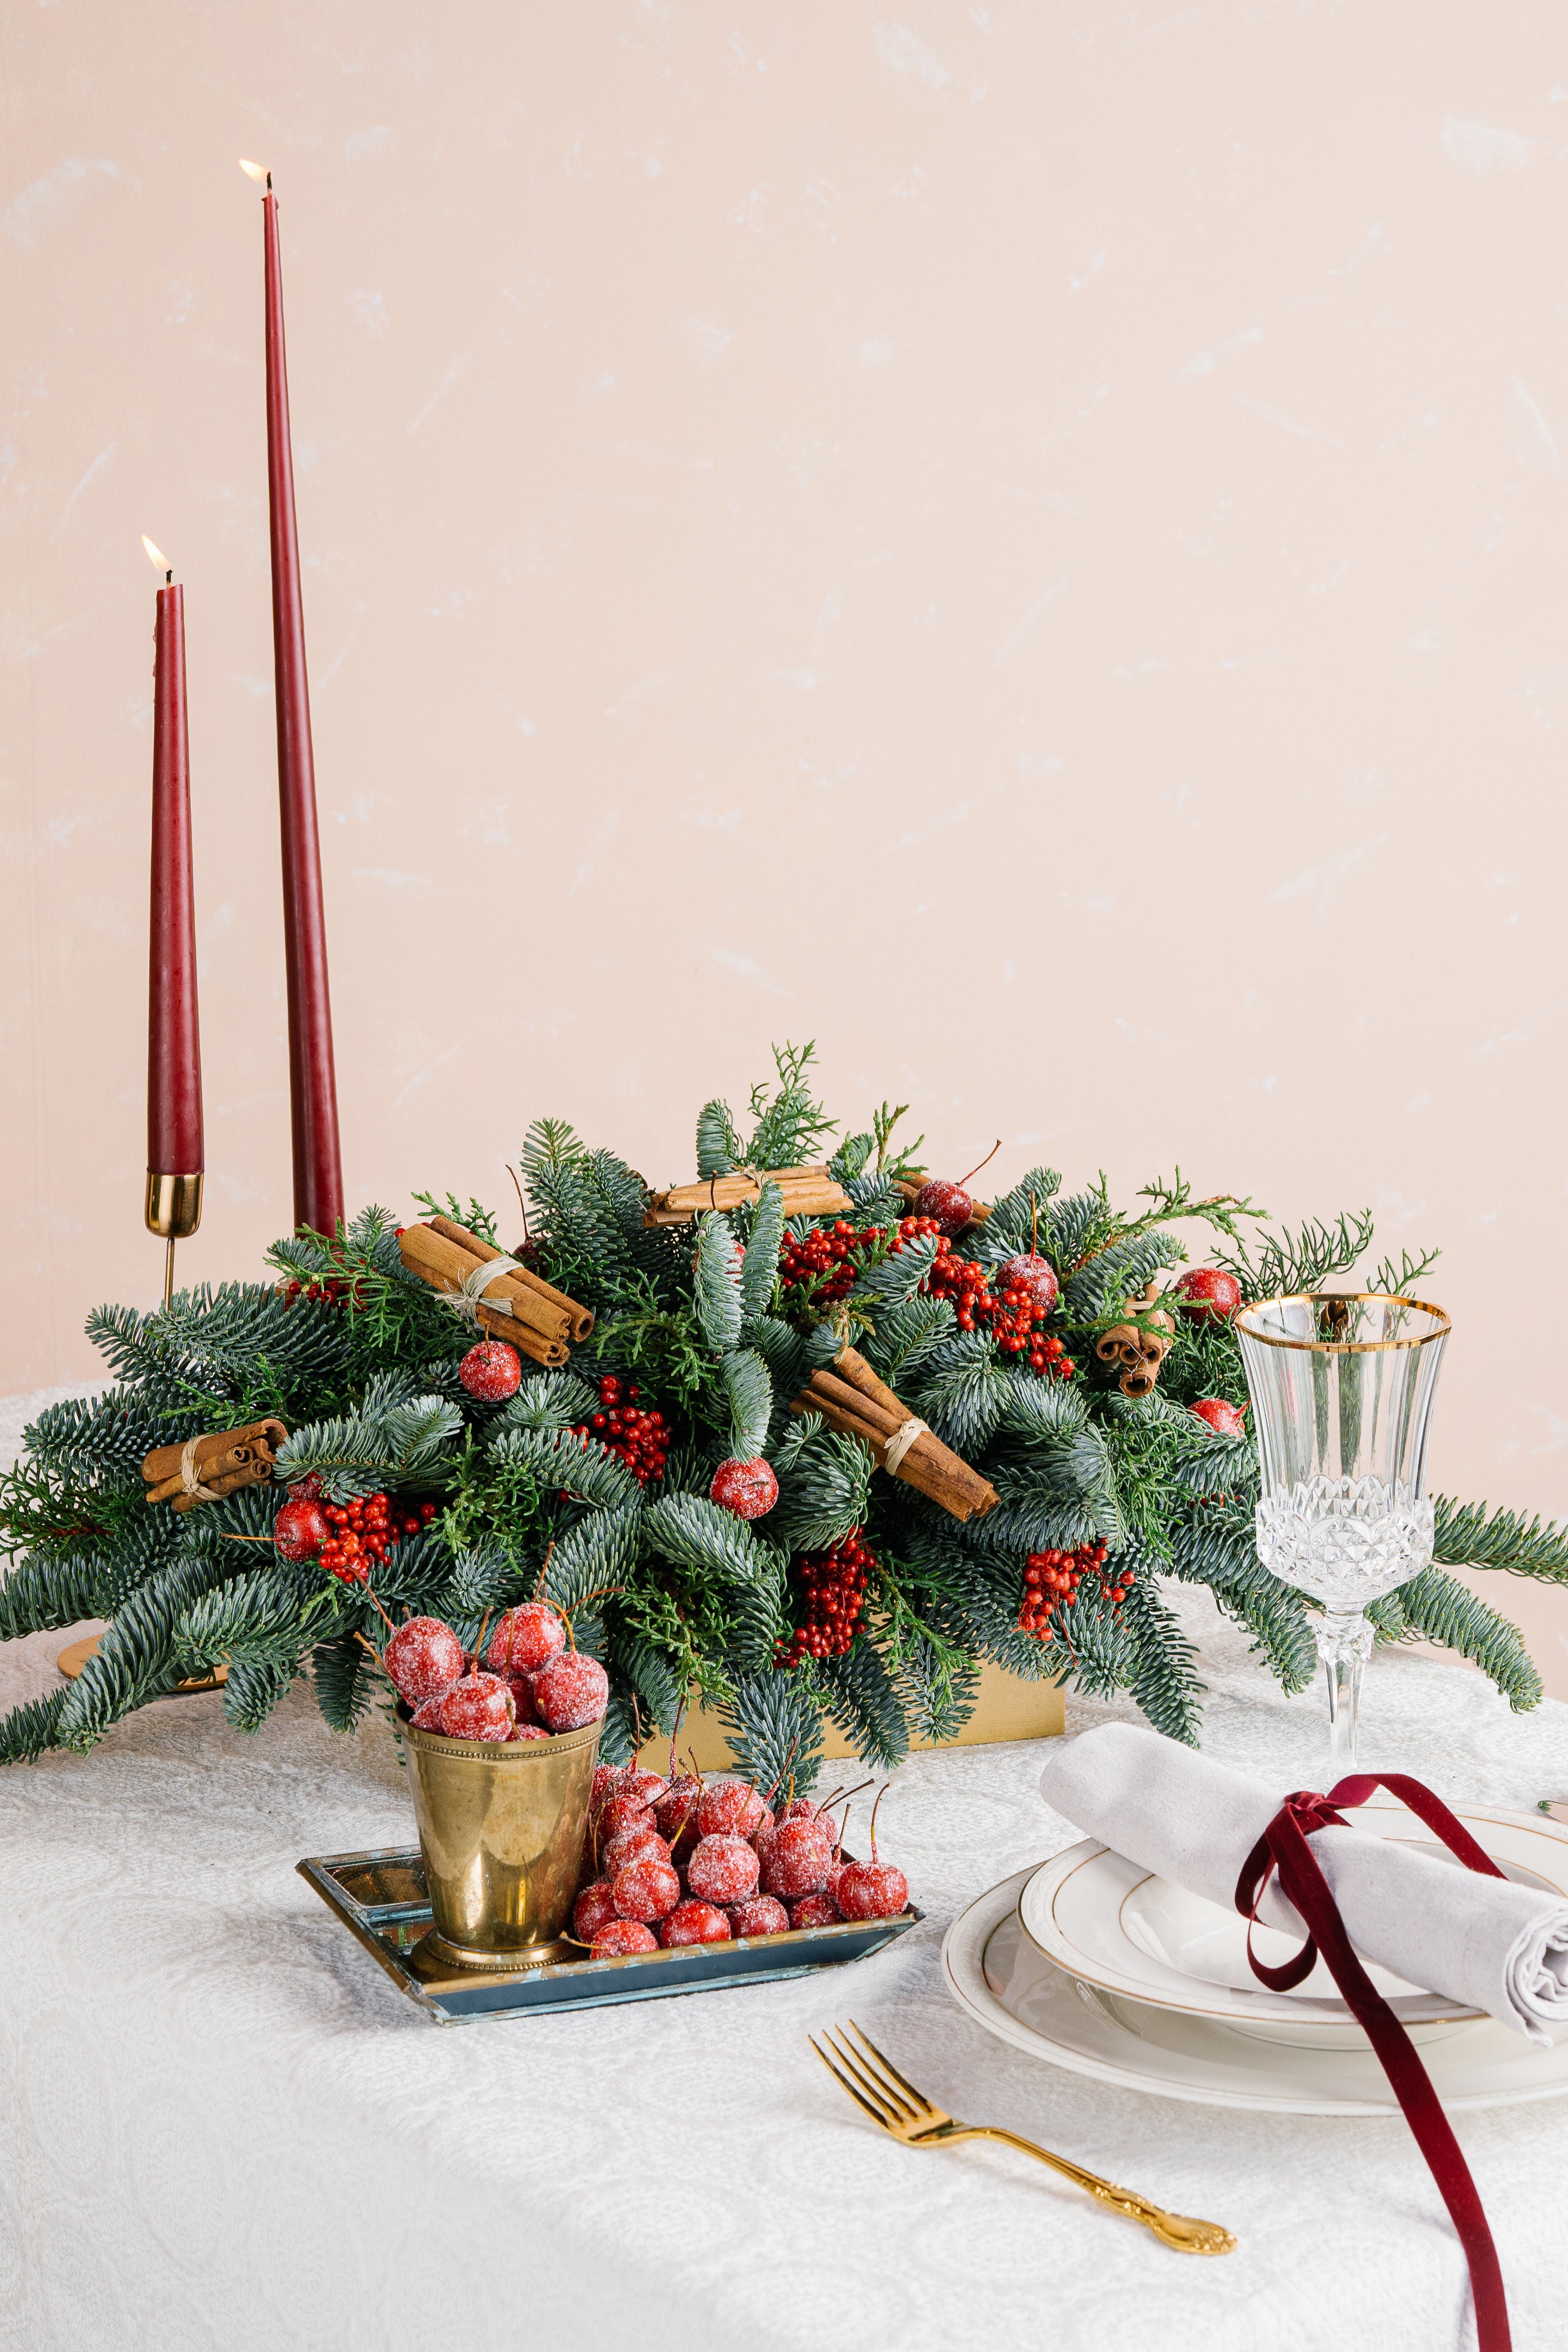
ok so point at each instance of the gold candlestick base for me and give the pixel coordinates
(173, 1210)
(76, 1654)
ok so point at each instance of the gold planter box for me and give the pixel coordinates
(1007, 1710)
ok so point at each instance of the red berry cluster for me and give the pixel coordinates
(640, 1435)
(1013, 1317)
(833, 1587)
(1051, 1579)
(363, 1532)
(334, 1291)
(824, 1262)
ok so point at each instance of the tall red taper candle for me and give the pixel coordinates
(174, 1151)
(312, 1084)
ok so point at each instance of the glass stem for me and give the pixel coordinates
(1345, 1644)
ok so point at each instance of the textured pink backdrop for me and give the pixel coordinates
(1023, 542)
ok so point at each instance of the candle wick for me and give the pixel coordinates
(169, 577)
(269, 179)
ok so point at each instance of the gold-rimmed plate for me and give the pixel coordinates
(1135, 1936)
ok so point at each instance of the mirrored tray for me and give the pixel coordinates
(380, 1897)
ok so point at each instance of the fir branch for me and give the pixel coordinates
(659, 1690)
(1162, 1677)
(265, 1613)
(745, 1376)
(593, 1556)
(1469, 1536)
(391, 1440)
(825, 1490)
(1016, 1219)
(783, 1350)
(135, 1660)
(46, 1593)
(1221, 1551)
(1440, 1608)
(1099, 1288)
(861, 1698)
(704, 1540)
(560, 1462)
(759, 1268)
(905, 1336)
(343, 1680)
(775, 1731)
(895, 1279)
(549, 1399)
(30, 1729)
(718, 1145)
(255, 1686)
(720, 1308)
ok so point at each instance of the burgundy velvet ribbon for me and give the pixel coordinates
(1283, 1849)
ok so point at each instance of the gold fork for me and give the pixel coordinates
(874, 2084)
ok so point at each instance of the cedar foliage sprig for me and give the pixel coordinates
(680, 1600)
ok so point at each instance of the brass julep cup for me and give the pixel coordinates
(502, 1827)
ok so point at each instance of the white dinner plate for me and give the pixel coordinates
(1008, 1985)
(1138, 1936)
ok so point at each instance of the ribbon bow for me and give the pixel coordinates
(1283, 1851)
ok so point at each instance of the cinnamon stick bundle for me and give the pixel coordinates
(535, 1327)
(579, 1319)
(219, 1465)
(807, 1192)
(852, 1399)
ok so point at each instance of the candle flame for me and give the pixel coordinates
(155, 555)
(259, 172)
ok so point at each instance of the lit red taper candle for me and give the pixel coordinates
(175, 1157)
(313, 1083)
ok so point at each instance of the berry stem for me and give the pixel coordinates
(963, 1180)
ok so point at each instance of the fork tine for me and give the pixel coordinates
(845, 2085)
(871, 2081)
(922, 2103)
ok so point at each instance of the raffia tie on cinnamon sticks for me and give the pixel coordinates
(807, 1192)
(852, 1399)
(518, 1307)
(206, 1469)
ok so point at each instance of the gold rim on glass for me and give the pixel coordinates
(1315, 1298)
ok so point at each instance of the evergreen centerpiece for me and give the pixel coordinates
(931, 1444)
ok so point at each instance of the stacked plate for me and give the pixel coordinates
(1102, 1967)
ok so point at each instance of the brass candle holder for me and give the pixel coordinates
(173, 1210)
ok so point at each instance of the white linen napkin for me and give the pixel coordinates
(1487, 1942)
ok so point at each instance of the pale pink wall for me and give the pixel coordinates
(1024, 542)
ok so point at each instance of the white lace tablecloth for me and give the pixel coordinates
(221, 2125)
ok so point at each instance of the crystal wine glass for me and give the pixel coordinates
(1342, 1389)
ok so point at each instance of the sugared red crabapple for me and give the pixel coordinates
(428, 1714)
(300, 1531)
(818, 1910)
(490, 1371)
(522, 1689)
(525, 1638)
(648, 1788)
(423, 1658)
(729, 1809)
(872, 1890)
(477, 1707)
(750, 1489)
(622, 1812)
(571, 1690)
(595, 1908)
(763, 1916)
(694, 1923)
(723, 1870)
(645, 1888)
(1207, 1294)
(799, 1860)
(620, 1937)
(1223, 1418)
(527, 1731)
(628, 1846)
(1034, 1274)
